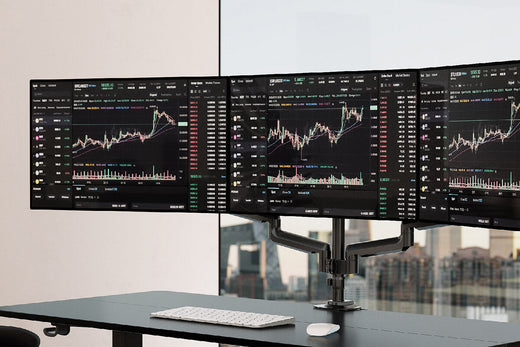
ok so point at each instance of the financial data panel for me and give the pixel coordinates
(129, 144)
(341, 144)
(470, 152)
(437, 144)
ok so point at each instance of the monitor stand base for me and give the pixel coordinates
(347, 305)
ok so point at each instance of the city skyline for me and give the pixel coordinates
(295, 263)
(441, 276)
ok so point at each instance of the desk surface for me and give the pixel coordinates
(130, 313)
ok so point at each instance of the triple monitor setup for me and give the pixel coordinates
(420, 146)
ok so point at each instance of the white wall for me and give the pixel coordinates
(52, 255)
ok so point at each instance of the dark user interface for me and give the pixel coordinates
(436, 145)
(319, 145)
(470, 154)
(127, 144)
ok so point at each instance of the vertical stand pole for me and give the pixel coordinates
(338, 253)
(126, 339)
(337, 279)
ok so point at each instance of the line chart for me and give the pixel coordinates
(282, 136)
(459, 144)
(87, 144)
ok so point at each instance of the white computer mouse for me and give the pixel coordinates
(322, 329)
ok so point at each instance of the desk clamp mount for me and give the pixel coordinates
(338, 259)
(57, 329)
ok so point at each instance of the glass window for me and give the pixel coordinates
(450, 271)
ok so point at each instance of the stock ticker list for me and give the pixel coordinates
(398, 145)
(471, 163)
(208, 137)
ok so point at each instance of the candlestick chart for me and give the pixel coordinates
(482, 144)
(306, 134)
(481, 132)
(330, 143)
(133, 139)
(87, 144)
(484, 139)
(350, 120)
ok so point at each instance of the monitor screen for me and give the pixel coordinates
(337, 144)
(469, 154)
(436, 145)
(129, 144)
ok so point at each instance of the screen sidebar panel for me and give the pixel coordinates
(51, 140)
(248, 144)
(433, 118)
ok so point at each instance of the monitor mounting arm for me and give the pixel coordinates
(338, 259)
(294, 241)
(378, 247)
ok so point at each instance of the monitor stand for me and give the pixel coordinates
(337, 278)
(338, 259)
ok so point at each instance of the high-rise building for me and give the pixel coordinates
(263, 264)
(317, 289)
(443, 242)
(504, 243)
(356, 289)
(401, 282)
(470, 277)
(358, 230)
(297, 284)
(511, 285)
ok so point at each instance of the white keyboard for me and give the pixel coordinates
(224, 317)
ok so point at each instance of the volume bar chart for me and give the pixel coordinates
(110, 175)
(474, 182)
(300, 179)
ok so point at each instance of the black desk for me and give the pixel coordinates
(128, 317)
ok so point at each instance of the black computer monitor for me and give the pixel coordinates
(469, 148)
(333, 144)
(155, 144)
